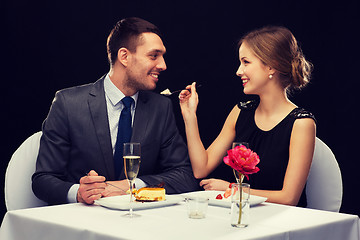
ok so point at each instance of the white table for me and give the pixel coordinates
(268, 221)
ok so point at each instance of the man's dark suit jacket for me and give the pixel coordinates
(76, 139)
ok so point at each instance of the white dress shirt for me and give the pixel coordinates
(114, 106)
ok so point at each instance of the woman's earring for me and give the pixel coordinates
(270, 76)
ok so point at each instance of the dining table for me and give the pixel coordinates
(171, 221)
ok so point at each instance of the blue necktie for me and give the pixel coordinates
(124, 135)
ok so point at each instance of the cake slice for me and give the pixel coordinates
(149, 194)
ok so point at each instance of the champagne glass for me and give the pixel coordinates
(131, 154)
(236, 173)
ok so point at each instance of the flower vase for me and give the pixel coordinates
(240, 205)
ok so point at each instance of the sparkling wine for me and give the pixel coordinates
(132, 165)
(131, 153)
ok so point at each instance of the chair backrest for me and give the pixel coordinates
(324, 187)
(18, 190)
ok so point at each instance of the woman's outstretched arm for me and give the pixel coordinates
(204, 161)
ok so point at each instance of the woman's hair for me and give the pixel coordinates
(126, 34)
(277, 47)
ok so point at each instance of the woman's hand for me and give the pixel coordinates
(189, 100)
(214, 184)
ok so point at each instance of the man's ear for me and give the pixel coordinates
(123, 56)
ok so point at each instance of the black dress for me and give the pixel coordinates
(272, 146)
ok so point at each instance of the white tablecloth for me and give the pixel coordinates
(268, 221)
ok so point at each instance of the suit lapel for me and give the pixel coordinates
(98, 110)
(141, 118)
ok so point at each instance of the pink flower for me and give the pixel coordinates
(242, 160)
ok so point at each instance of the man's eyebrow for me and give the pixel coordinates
(157, 51)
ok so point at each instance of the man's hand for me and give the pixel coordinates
(91, 187)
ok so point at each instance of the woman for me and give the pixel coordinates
(283, 135)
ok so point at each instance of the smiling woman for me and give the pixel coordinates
(277, 47)
(271, 63)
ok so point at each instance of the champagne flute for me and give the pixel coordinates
(236, 173)
(131, 154)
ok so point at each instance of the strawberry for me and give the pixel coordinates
(227, 193)
(219, 196)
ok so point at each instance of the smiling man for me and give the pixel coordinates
(79, 149)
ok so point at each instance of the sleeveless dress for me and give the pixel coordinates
(272, 146)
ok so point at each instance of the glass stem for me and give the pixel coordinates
(238, 176)
(131, 199)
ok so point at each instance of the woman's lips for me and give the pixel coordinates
(245, 81)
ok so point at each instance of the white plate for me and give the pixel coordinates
(122, 202)
(225, 202)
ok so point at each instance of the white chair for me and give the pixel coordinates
(324, 187)
(18, 190)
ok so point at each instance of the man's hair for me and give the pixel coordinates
(126, 33)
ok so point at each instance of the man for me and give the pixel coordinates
(80, 133)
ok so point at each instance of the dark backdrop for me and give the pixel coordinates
(50, 45)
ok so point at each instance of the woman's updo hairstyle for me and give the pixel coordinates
(277, 47)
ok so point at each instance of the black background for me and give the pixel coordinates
(51, 45)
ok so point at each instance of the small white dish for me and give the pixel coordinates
(224, 202)
(123, 202)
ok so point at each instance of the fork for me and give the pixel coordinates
(116, 187)
(171, 93)
(87, 174)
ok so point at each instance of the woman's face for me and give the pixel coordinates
(254, 74)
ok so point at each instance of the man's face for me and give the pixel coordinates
(146, 63)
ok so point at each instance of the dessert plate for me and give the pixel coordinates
(225, 202)
(122, 202)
